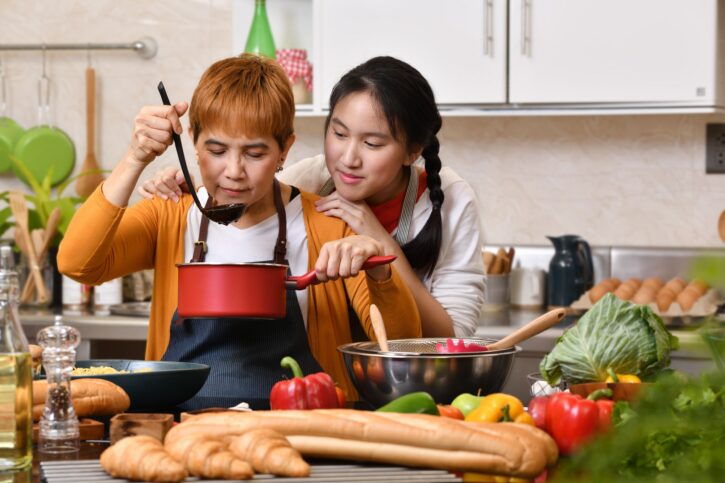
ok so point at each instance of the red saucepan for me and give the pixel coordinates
(242, 289)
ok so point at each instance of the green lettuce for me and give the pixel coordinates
(628, 338)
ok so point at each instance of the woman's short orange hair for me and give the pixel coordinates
(248, 95)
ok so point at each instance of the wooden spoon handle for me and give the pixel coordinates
(534, 327)
(90, 111)
(376, 319)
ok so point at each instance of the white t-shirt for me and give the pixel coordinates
(229, 244)
(457, 280)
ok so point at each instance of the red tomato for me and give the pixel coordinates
(448, 411)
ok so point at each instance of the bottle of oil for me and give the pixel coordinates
(16, 379)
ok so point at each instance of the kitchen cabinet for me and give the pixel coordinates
(613, 51)
(460, 47)
(520, 57)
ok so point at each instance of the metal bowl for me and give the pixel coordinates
(413, 365)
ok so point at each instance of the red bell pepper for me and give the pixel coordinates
(572, 420)
(458, 345)
(316, 391)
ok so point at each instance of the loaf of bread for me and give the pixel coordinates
(91, 397)
(36, 354)
(411, 439)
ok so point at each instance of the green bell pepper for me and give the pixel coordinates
(415, 402)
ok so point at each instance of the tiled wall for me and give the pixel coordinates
(615, 180)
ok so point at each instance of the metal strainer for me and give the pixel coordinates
(413, 347)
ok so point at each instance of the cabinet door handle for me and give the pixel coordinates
(488, 30)
(526, 27)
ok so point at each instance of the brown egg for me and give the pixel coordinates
(597, 292)
(676, 284)
(700, 286)
(664, 298)
(687, 298)
(611, 283)
(635, 283)
(644, 295)
(655, 282)
(624, 292)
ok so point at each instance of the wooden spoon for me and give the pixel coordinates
(48, 234)
(529, 330)
(20, 211)
(86, 184)
(721, 226)
(379, 327)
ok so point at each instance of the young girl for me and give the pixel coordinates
(241, 122)
(383, 117)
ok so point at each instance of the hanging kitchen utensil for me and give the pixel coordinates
(223, 214)
(243, 289)
(376, 318)
(44, 148)
(721, 226)
(10, 130)
(86, 184)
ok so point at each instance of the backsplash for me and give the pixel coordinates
(614, 180)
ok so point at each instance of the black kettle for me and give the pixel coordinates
(571, 272)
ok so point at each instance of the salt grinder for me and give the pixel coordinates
(59, 431)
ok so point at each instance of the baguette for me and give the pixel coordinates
(447, 443)
(91, 397)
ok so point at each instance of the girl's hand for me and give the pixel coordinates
(344, 257)
(168, 183)
(152, 131)
(357, 214)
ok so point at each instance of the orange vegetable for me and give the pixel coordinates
(448, 411)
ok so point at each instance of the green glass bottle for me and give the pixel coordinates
(260, 40)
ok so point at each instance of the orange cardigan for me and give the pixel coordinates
(104, 242)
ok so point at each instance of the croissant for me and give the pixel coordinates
(141, 458)
(208, 457)
(269, 452)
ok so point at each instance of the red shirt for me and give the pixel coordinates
(388, 213)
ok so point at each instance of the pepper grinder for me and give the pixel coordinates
(59, 429)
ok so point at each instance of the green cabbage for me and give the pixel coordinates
(628, 338)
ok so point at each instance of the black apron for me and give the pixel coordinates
(243, 353)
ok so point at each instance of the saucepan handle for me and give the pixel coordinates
(299, 282)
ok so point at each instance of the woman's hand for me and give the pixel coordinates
(168, 183)
(357, 214)
(344, 257)
(152, 132)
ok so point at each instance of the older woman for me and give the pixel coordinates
(241, 122)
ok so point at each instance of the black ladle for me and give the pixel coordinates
(223, 214)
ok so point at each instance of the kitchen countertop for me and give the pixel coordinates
(493, 325)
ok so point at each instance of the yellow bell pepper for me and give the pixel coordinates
(621, 377)
(481, 477)
(525, 418)
(491, 409)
